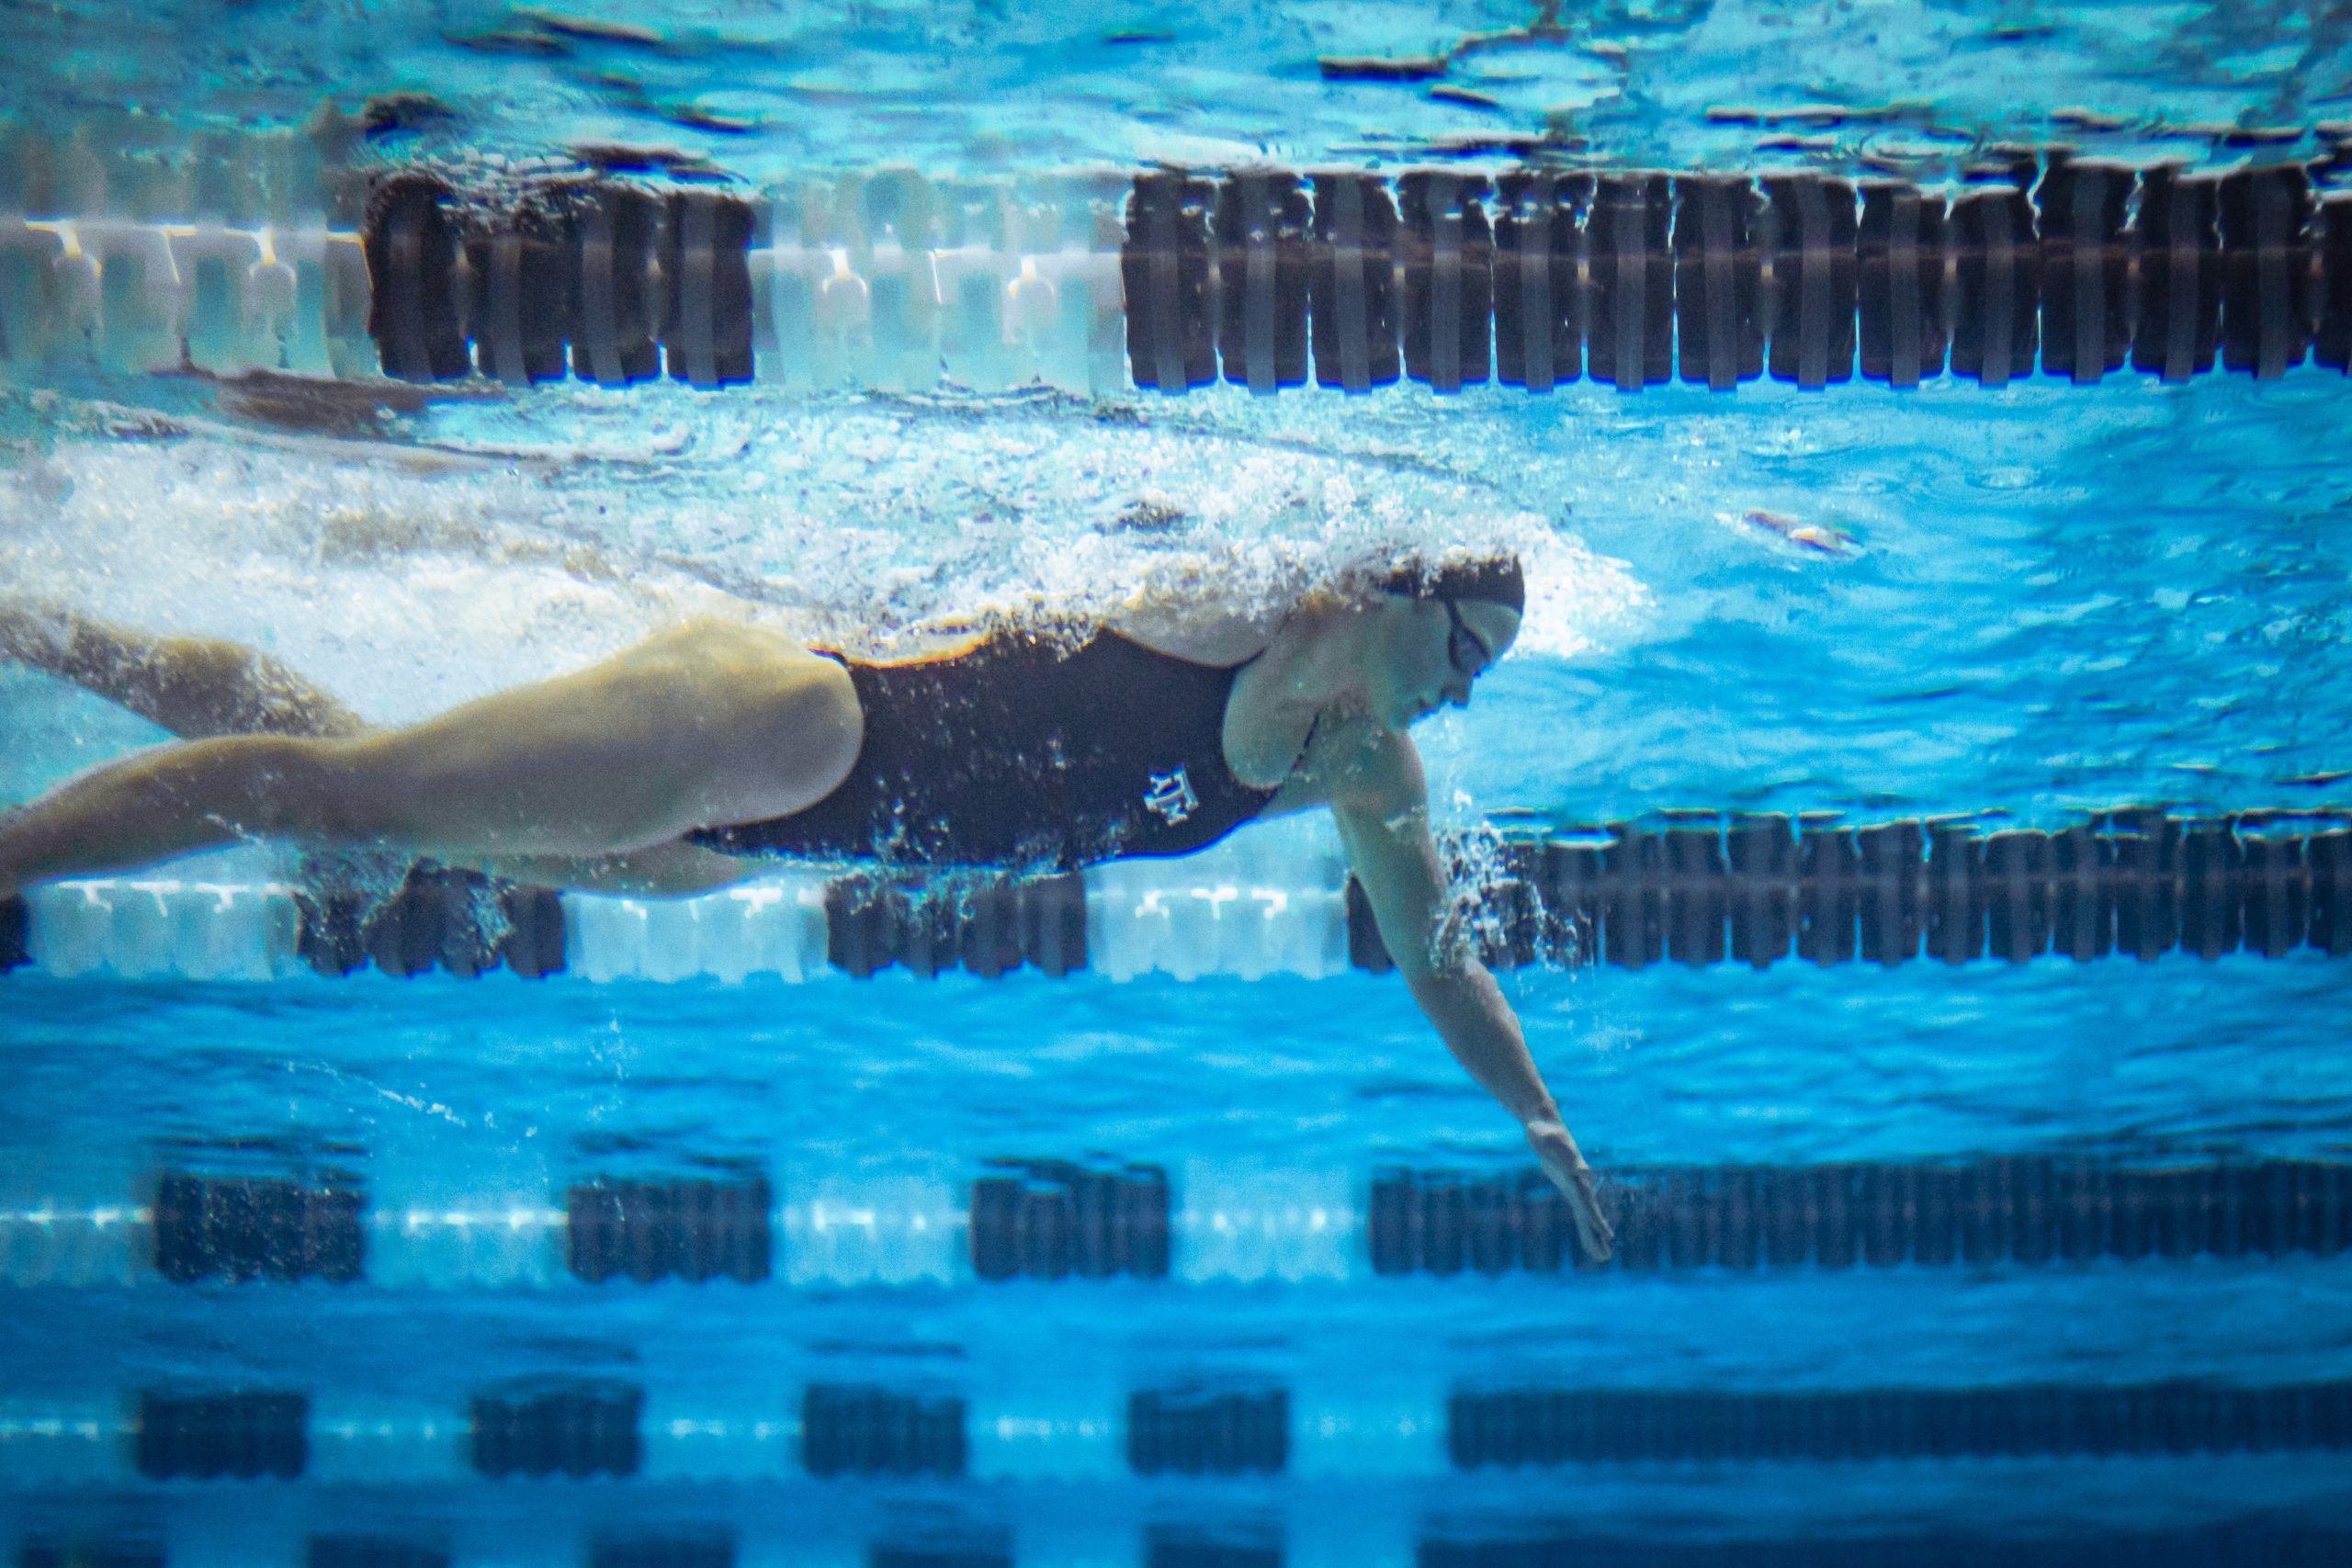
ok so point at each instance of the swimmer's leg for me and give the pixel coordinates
(167, 801)
(708, 726)
(198, 687)
(194, 687)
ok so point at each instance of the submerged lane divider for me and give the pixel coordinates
(621, 1431)
(1693, 889)
(2241, 1543)
(2027, 1210)
(1058, 1220)
(714, 1537)
(1634, 278)
(2029, 264)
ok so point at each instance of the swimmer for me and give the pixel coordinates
(680, 764)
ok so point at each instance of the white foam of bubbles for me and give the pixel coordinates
(1577, 602)
(405, 580)
(402, 592)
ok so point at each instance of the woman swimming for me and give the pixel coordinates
(677, 765)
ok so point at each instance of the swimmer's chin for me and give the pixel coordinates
(1410, 712)
(1399, 712)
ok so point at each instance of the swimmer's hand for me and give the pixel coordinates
(1563, 1163)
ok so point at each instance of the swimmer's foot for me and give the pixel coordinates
(1563, 1163)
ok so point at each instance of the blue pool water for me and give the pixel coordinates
(2022, 606)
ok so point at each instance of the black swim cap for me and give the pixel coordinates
(1496, 580)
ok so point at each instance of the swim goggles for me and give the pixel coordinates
(1464, 649)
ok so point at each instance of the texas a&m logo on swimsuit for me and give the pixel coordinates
(1171, 797)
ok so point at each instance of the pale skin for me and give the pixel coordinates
(589, 781)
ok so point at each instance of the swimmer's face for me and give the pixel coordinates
(1424, 653)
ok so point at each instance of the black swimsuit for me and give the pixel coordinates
(1021, 754)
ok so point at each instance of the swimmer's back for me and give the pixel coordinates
(1021, 751)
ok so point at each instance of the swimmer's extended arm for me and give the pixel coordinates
(1381, 802)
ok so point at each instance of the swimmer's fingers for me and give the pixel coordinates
(1563, 1163)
